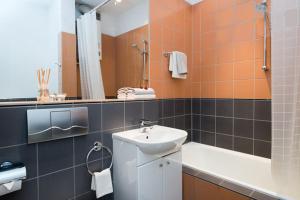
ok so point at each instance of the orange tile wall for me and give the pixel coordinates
(67, 57)
(129, 61)
(170, 29)
(224, 43)
(108, 65)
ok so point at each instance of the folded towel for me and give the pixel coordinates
(137, 91)
(145, 96)
(136, 97)
(126, 96)
(178, 65)
(125, 90)
(101, 183)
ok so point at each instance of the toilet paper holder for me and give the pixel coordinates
(10, 171)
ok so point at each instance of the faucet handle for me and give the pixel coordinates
(145, 122)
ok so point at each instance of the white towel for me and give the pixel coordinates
(136, 97)
(145, 96)
(181, 60)
(124, 96)
(141, 91)
(125, 90)
(178, 65)
(101, 183)
(137, 91)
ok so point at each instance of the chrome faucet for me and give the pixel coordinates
(145, 125)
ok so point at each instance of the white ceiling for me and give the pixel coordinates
(111, 8)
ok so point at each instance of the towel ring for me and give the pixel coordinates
(97, 147)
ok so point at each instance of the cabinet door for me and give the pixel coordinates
(150, 181)
(188, 187)
(173, 177)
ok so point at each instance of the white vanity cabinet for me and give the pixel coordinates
(161, 179)
(139, 176)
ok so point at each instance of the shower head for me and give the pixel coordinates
(134, 45)
(262, 7)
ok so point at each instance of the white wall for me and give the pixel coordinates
(130, 19)
(29, 40)
(133, 18)
(108, 24)
(67, 12)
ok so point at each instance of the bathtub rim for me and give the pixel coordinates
(238, 186)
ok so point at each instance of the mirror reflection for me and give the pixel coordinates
(73, 49)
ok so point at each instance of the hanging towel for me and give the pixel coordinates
(178, 65)
(101, 183)
(181, 60)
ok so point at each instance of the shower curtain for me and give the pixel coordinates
(89, 60)
(285, 23)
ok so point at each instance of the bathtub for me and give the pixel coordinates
(243, 173)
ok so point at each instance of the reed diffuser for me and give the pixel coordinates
(43, 76)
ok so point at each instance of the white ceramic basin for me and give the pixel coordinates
(158, 140)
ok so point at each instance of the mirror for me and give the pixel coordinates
(89, 55)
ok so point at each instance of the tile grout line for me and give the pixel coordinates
(37, 169)
(74, 169)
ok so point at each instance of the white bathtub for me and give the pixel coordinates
(244, 170)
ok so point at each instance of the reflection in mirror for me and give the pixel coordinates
(123, 44)
(92, 48)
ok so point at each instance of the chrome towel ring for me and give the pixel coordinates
(97, 147)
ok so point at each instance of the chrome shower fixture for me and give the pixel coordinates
(144, 53)
(262, 7)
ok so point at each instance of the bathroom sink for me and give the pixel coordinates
(156, 140)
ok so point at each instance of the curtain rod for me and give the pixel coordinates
(100, 5)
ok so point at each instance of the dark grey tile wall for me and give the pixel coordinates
(235, 124)
(56, 169)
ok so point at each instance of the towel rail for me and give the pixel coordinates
(97, 147)
(167, 54)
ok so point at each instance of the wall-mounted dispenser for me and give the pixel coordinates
(57, 123)
(11, 176)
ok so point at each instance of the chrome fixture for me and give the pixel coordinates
(145, 125)
(116, 2)
(167, 54)
(100, 5)
(144, 53)
(57, 123)
(262, 7)
(97, 147)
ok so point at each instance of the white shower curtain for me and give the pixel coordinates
(285, 23)
(88, 49)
